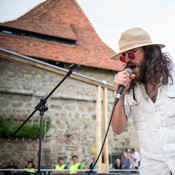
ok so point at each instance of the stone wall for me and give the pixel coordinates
(72, 110)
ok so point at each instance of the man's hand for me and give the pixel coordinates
(124, 79)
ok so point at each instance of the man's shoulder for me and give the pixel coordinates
(80, 165)
(65, 167)
(136, 153)
(128, 158)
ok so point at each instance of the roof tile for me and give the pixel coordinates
(60, 19)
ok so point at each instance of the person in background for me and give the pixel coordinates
(11, 165)
(148, 98)
(75, 166)
(94, 158)
(126, 161)
(135, 157)
(60, 166)
(118, 164)
(30, 160)
(29, 168)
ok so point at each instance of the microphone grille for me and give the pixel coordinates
(129, 70)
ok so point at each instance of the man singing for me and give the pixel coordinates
(148, 98)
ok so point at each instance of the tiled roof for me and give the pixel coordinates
(59, 19)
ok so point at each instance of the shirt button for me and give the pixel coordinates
(155, 111)
(158, 127)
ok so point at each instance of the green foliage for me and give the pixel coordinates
(7, 128)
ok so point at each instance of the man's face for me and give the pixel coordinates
(132, 152)
(125, 154)
(29, 165)
(117, 161)
(11, 163)
(61, 162)
(137, 64)
(94, 159)
(74, 159)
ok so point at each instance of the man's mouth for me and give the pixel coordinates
(132, 66)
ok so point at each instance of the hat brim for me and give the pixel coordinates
(117, 56)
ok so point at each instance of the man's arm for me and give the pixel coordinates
(119, 120)
(132, 157)
(80, 167)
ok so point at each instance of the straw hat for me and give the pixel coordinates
(133, 38)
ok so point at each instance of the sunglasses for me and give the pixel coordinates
(131, 55)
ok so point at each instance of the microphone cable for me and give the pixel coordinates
(115, 102)
(120, 90)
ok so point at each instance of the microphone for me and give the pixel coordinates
(71, 68)
(121, 88)
(74, 66)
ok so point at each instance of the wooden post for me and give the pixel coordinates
(105, 120)
(102, 167)
(98, 128)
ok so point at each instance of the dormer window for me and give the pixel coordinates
(38, 36)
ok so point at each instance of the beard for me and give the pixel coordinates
(140, 74)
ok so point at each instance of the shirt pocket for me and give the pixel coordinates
(136, 112)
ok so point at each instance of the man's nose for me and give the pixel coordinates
(127, 58)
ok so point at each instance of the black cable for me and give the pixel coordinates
(115, 102)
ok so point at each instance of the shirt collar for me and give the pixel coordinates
(142, 88)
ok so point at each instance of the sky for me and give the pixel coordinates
(111, 17)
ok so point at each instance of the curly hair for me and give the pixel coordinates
(157, 66)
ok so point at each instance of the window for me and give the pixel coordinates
(38, 36)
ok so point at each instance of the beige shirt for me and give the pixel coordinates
(155, 127)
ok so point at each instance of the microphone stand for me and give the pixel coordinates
(42, 108)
